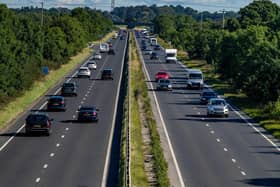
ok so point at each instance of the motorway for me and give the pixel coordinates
(211, 152)
(76, 154)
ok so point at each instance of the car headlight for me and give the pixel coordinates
(169, 86)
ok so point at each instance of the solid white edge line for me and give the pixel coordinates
(162, 120)
(11, 138)
(109, 147)
(245, 120)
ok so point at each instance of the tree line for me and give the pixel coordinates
(141, 15)
(246, 52)
(26, 45)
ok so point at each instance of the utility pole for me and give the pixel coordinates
(223, 26)
(201, 20)
(112, 5)
(42, 32)
(42, 14)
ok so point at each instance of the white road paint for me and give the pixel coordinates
(37, 180)
(243, 173)
(67, 129)
(52, 155)
(57, 145)
(207, 125)
(11, 138)
(225, 149)
(45, 166)
(181, 181)
(62, 136)
(212, 132)
(218, 140)
(233, 160)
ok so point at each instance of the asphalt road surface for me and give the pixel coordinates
(76, 154)
(212, 152)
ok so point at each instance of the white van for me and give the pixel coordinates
(195, 79)
(104, 48)
(171, 55)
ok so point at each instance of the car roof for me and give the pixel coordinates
(162, 72)
(217, 99)
(38, 114)
(108, 69)
(83, 68)
(88, 107)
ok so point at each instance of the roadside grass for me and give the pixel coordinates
(141, 93)
(252, 108)
(138, 175)
(39, 88)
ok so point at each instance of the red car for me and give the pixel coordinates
(161, 75)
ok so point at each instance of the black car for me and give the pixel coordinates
(107, 74)
(38, 122)
(144, 47)
(154, 56)
(69, 89)
(88, 113)
(111, 51)
(122, 37)
(56, 103)
(206, 95)
(157, 47)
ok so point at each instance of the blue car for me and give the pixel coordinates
(56, 103)
(88, 113)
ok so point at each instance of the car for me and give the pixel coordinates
(110, 44)
(87, 113)
(84, 72)
(97, 56)
(38, 122)
(122, 37)
(217, 107)
(154, 56)
(107, 74)
(195, 79)
(161, 75)
(164, 84)
(148, 51)
(144, 47)
(111, 51)
(69, 89)
(157, 47)
(206, 95)
(56, 103)
(91, 64)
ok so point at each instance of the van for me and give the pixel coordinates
(194, 79)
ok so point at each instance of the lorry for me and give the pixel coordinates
(194, 79)
(104, 48)
(171, 55)
(153, 41)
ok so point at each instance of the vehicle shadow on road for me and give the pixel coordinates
(22, 134)
(266, 182)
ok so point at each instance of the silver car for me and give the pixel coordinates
(164, 84)
(91, 64)
(217, 107)
(97, 56)
(84, 72)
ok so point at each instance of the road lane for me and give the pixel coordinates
(212, 151)
(78, 158)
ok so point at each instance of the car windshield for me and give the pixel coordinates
(165, 81)
(107, 71)
(55, 99)
(195, 76)
(87, 108)
(83, 70)
(68, 85)
(37, 118)
(208, 94)
(218, 102)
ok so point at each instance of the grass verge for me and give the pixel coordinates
(252, 108)
(139, 91)
(39, 88)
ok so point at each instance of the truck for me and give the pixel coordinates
(194, 79)
(104, 48)
(171, 55)
(153, 41)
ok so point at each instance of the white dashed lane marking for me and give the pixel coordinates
(45, 166)
(62, 136)
(212, 132)
(225, 149)
(52, 155)
(67, 129)
(37, 180)
(57, 145)
(233, 160)
(243, 173)
(218, 140)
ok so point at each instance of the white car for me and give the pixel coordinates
(84, 72)
(97, 56)
(217, 107)
(91, 64)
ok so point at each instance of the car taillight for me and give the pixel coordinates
(94, 113)
(62, 102)
(48, 124)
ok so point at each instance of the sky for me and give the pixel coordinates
(200, 5)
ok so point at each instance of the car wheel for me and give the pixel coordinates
(27, 132)
(226, 115)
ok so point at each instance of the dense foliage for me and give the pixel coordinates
(26, 46)
(246, 52)
(144, 15)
